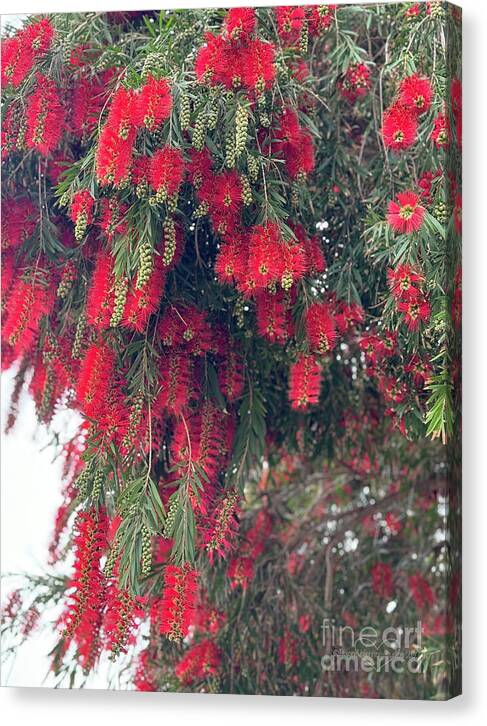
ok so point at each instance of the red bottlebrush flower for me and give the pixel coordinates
(405, 282)
(28, 301)
(394, 391)
(231, 260)
(372, 347)
(201, 661)
(99, 305)
(122, 617)
(457, 214)
(295, 145)
(116, 142)
(166, 171)
(304, 382)
(456, 107)
(425, 183)
(355, 82)
(320, 18)
(185, 326)
(419, 369)
(94, 377)
(17, 60)
(200, 167)
(421, 592)
(320, 327)
(20, 51)
(223, 195)
(240, 572)
(81, 210)
(415, 93)
(231, 375)
(287, 650)
(144, 679)
(44, 116)
(265, 250)
(382, 580)
(12, 606)
(209, 58)
(83, 617)
(112, 217)
(315, 258)
(273, 317)
(399, 128)
(290, 22)
(412, 11)
(348, 316)
(175, 382)
(405, 215)
(440, 135)
(240, 23)
(304, 623)
(154, 104)
(416, 311)
(20, 222)
(88, 96)
(293, 263)
(258, 65)
(178, 603)
(220, 529)
(141, 304)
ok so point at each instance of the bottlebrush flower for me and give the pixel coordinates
(81, 211)
(220, 528)
(320, 327)
(29, 299)
(456, 107)
(95, 375)
(440, 135)
(355, 82)
(415, 93)
(240, 23)
(320, 18)
(116, 142)
(185, 326)
(231, 260)
(21, 50)
(84, 612)
(231, 375)
(273, 317)
(290, 22)
(399, 128)
(166, 172)
(44, 116)
(348, 316)
(178, 602)
(88, 96)
(405, 282)
(240, 572)
(144, 302)
(382, 580)
(154, 103)
(419, 369)
(209, 58)
(265, 250)
(295, 145)
(416, 311)
(121, 618)
(421, 591)
(199, 662)
(258, 69)
(223, 195)
(315, 258)
(112, 219)
(100, 302)
(293, 263)
(20, 222)
(200, 167)
(406, 215)
(175, 383)
(144, 679)
(304, 382)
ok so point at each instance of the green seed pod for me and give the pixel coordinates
(97, 484)
(253, 167)
(246, 190)
(78, 336)
(146, 263)
(230, 154)
(241, 125)
(169, 241)
(121, 288)
(185, 112)
(199, 131)
(146, 561)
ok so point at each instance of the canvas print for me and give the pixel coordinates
(231, 308)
